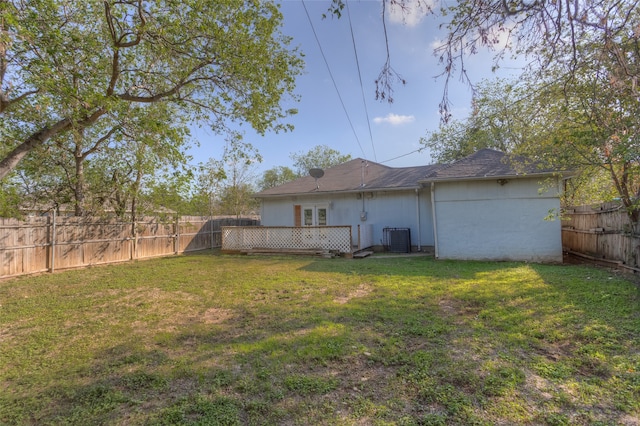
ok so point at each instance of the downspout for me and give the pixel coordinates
(435, 222)
(418, 218)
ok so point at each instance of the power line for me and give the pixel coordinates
(403, 155)
(462, 131)
(364, 101)
(333, 79)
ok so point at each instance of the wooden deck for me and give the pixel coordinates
(362, 254)
(327, 254)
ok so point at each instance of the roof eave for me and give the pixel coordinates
(347, 191)
(493, 177)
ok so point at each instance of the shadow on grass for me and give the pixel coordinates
(405, 341)
(566, 335)
(269, 363)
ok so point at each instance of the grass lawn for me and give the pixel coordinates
(210, 339)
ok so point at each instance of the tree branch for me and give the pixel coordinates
(11, 160)
(99, 142)
(167, 93)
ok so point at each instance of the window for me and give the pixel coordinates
(322, 216)
(314, 215)
(308, 217)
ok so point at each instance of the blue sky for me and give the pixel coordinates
(381, 132)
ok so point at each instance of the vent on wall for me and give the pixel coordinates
(397, 240)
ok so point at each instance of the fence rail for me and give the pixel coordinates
(46, 244)
(237, 238)
(602, 232)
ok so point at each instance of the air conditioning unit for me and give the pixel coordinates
(397, 240)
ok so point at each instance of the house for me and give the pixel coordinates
(486, 206)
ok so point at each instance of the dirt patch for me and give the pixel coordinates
(629, 420)
(556, 351)
(536, 385)
(216, 315)
(362, 291)
(457, 310)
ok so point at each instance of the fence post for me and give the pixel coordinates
(176, 244)
(134, 247)
(53, 242)
(210, 225)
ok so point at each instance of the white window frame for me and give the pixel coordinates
(315, 216)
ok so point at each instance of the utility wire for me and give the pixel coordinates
(403, 155)
(489, 116)
(332, 79)
(364, 101)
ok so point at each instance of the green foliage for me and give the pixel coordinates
(73, 66)
(335, 9)
(450, 142)
(580, 96)
(577, 104)
(105, 169)
(172, 191)
(320, 157)
(579, 127)
(208, 184)
(590, 185)
(597, 130)
(573, 34)
(500, 119)
(226, 187)
(276, 176)
(10, 198)
(237, 200)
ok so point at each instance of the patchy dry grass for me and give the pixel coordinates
(209, 339)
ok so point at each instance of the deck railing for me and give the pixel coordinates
(238, 238)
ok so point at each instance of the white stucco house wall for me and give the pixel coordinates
(484, 207)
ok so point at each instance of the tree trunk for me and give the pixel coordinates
(622, 185)
(4, 98)
(134, 195)
(14, 157)
(78, 190)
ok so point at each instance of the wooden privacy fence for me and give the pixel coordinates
(334, 238)
(602, 232)
(46, 244)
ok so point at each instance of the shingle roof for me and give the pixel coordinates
(486, 163)
(350, 177)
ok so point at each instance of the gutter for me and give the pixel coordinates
(435, 222)
(359, 190)
(488, 177)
